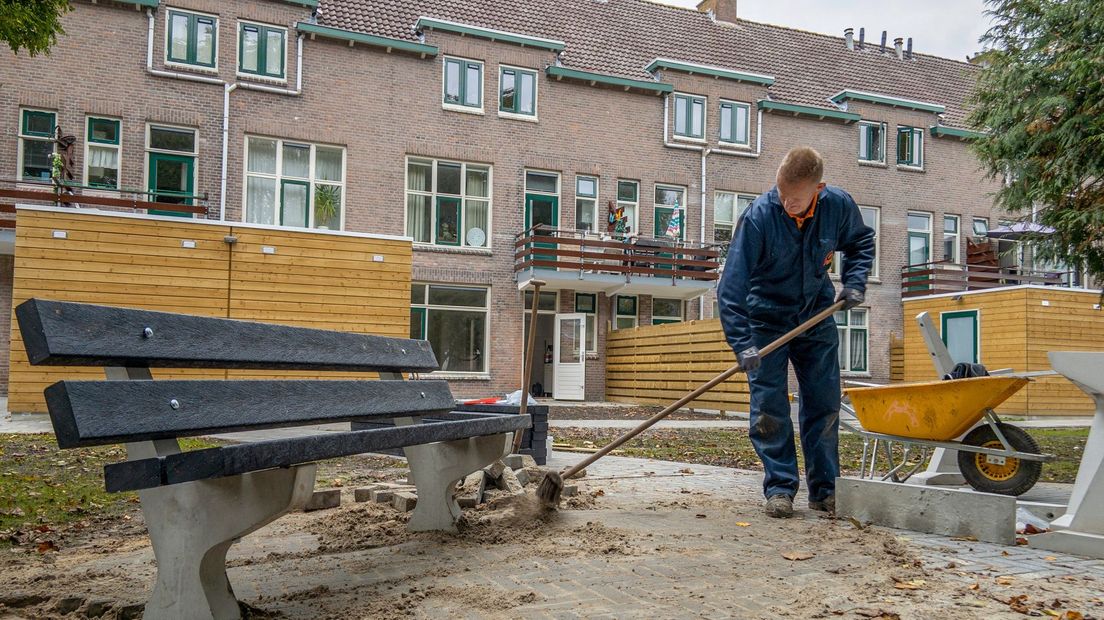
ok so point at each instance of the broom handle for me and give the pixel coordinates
(527, 372)
(793, 333)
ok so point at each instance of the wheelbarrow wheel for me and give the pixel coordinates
(1012, 477)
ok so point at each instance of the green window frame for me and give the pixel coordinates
(463, 83)
(103, 152)
(517, 91)
(668, 198)
(853, 329)
(735, 123)
(36, 144)
(185, 48)
(872, 142)
(586, 203)
(661, 314)
(956, 348)
(587, 304)
(625, 315)
(910, 146)
(690, 116)
(267, 60)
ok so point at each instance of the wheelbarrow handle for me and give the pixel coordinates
(678, 404)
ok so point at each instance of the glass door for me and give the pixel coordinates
(171, 179)
(543, 210)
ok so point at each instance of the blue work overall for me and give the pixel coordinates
(775, 278)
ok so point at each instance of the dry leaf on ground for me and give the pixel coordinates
(797, 556)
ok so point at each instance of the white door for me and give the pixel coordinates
(569, 357)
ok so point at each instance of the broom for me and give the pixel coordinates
(551, 487)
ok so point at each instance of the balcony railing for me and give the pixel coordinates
(572, 250)
(944, 277)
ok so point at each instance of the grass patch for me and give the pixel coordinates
(732, 448)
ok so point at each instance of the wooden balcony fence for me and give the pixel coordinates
(943, 277)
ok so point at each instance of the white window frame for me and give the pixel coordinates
(689, 137)
(910, 230)
(665, 318)
(957, 235)
(918, 148)
(593, 202)
(862, 143)
(747, 123)
(591, 320)
(24, 137)
(169, 10)
(536, 92)
(844, 333)
(463, 196)
(634, 220)
(635, 317)
(736, 210)
(89, 145)
(260, 76)
(837, 260)
(312, 180)
(427, 307)
(460, 107)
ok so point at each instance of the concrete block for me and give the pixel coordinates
(384, 493)
(527, 461)
(513, 461)
(363, 494)
(522, 477)
(322, 500)
(404, 501)
(470, 493)
(494, 470)
(948, 512)
(510, 482)
(570, 490)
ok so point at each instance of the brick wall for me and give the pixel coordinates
(383, 107)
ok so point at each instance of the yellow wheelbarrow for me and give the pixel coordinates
(995, 457)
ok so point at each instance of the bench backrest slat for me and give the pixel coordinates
(72, 334)
(87, 413)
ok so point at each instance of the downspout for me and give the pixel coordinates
(225, 146)
(170, 74)
(705, 151)
(704, 155)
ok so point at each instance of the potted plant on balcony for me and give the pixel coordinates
(327, 201)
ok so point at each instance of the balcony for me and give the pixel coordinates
(944, 277)
(590, 263)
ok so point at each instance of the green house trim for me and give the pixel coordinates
(805, 110)
(938, 131)
(367, 39)
(718, 72)
(430, 23)
(896, 102)
(599, 78)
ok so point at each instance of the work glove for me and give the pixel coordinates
(851, 297)
(749, 359)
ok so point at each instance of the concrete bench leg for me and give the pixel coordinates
(437, 467)
(193, 524)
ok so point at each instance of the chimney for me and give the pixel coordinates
(899, 46)
(849, 38)
(908, 51)
(883, 41)
(722, 10)
(862, 38)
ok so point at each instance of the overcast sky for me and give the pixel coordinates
(948, 28)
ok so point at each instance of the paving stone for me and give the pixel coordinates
(522, 476)
(68, 604)
(404, 501)
(511, 483)
(471, 490)
(363, 494)
(322, 500)
(513, 461)
(494, 470)
(570, 490)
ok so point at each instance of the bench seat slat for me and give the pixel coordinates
(71, 334)
(88, 413)
(248, 457)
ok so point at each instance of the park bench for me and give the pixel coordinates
(197, 503)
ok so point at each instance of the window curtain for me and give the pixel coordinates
(476, 212)
(260, 201)
(858, 350)
(99, 157)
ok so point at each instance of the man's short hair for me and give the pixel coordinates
(801, 165)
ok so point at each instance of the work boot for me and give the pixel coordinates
(828, 504)
(779, 506)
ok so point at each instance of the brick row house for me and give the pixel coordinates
(463, 124)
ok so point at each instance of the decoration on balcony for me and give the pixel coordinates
(674, 225)
(617, 223)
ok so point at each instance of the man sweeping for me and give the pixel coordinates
(775, 277)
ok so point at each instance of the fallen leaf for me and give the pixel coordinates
(1021, 541)
(1052, 613)
(700, 516)
(965, 538)
(686, 470)
(798, 556)
(1016, 604)
(47, 545)
(1031, 529)
(1072, 615)
(743, 524)
(1050, 558)
(975, 586)
(915, 584)
(1004, 581)
(855, 522)
(1004, 553)
(877, 614)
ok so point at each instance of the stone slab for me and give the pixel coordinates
(949, 512)
(404, 501)
(322, 500)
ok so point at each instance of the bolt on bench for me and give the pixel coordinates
(198, 503)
